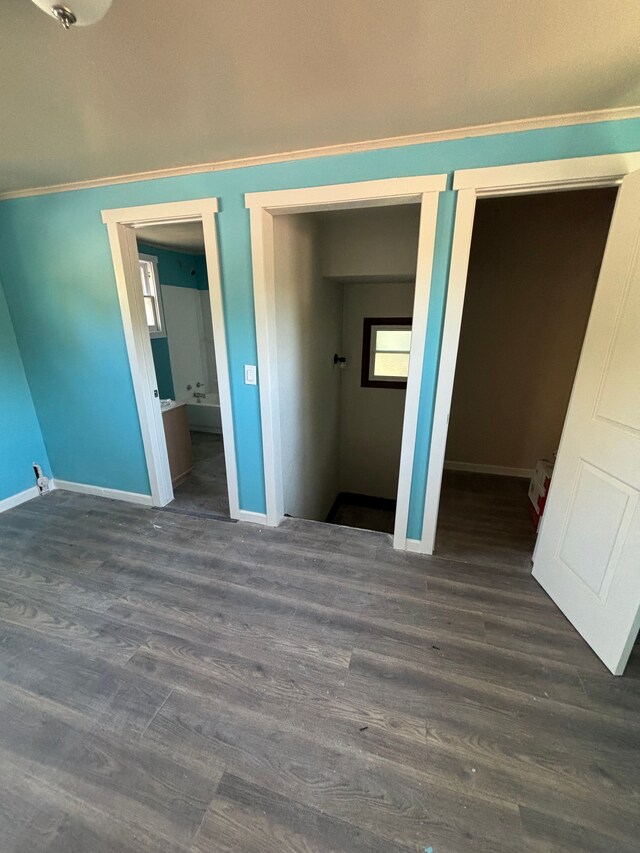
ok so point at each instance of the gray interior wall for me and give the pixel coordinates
(370, 418)
(309, 332)
(373, 253)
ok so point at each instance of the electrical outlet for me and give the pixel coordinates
(42, 482)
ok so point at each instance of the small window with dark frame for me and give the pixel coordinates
(386, 345)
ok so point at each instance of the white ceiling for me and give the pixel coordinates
(183, 236)
(160, 84)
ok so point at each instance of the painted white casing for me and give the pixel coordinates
(575, 173)
(121, 224)
(423, 190)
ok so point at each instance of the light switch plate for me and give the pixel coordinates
(250, 374)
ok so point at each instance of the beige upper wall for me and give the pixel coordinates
(375, 242)
(533, 269)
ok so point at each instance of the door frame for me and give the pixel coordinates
(121, 224)
(263, 206)
(472, 184)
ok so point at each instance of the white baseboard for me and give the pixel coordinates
(501, 470)
(100, 492)
(252, 517)
(20, 498)
(413, 545)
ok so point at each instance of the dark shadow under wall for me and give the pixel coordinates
(363, 511)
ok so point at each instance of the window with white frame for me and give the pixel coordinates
(151, 295)
(386, 346)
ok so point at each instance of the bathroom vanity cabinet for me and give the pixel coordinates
(176, 430)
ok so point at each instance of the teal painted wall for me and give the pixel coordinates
(178, 269)
(21, 442)
(55, 259)
(60, 290)
(162, 364)
(201, 272)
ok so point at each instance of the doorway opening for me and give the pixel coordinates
(160, 369)
(175, 286)
(344, 297)
(266, 208)
(533, 268)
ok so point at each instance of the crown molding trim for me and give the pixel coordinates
(494, 128)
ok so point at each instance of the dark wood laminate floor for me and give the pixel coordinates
(170, 683)
(484, 518)
(205, 488)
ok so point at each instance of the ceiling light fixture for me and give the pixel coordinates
(80, 13)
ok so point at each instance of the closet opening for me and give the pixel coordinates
(533, 269)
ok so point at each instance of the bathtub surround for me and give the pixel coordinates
(182, 310)
(189, 332)
(176, 269)
(56, 265)
(21, 442)
(204, 414)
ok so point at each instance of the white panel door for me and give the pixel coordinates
(588, 552)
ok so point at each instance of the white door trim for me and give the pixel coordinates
(422, 294)
(423, 190)
(121, 224)
(465, 210)
(521, 179)
(341, 196)
(170, 211)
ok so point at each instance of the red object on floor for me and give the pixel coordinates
(535, 516)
